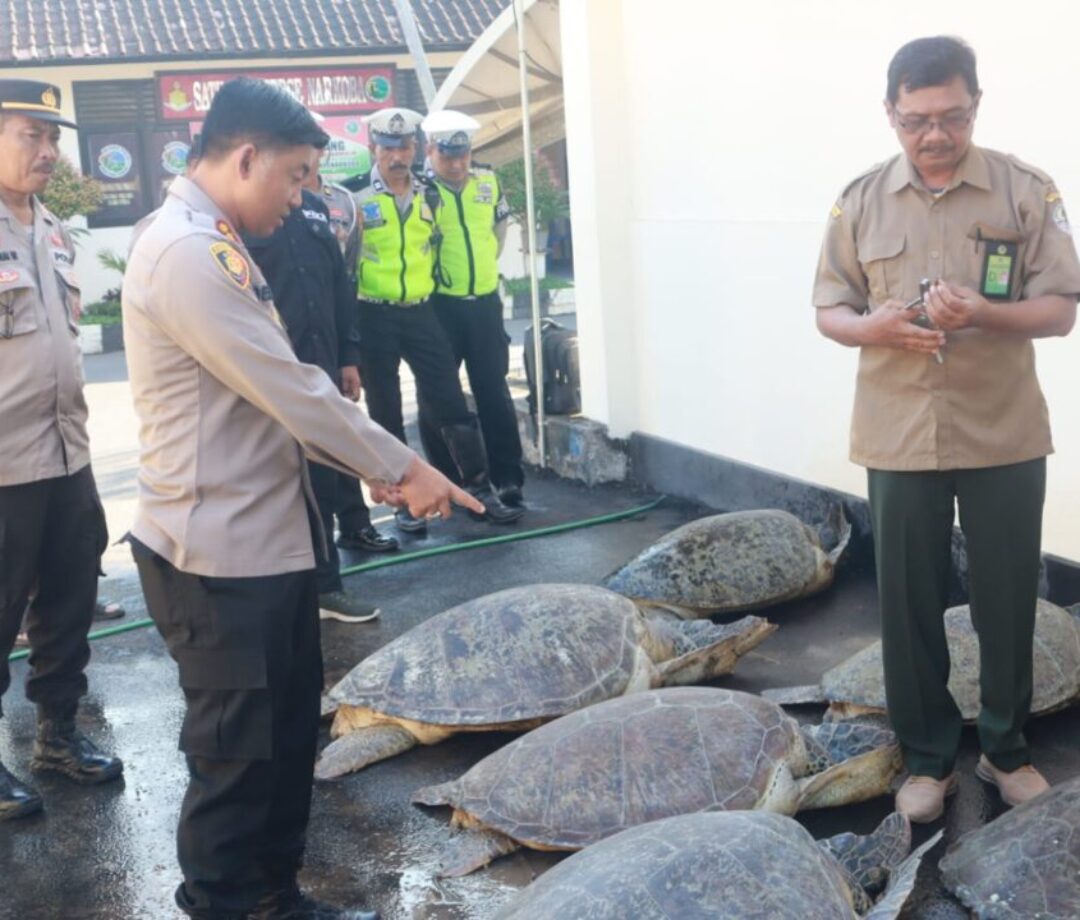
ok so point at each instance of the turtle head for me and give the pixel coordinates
(869, 860)
(834, 742)
(847, 762)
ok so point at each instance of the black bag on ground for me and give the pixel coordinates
(562, 373)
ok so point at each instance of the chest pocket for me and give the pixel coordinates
(18, 303)
(882, 264)
(987, 240)
(68, 283)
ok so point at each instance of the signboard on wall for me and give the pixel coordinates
(347, 154)
(186, 95)
(114, 161)
(168, 155)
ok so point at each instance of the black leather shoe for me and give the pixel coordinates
(297, 906)
(16, 799)
(368, 540)
(511, 496)
(406, 522)
(495, 512)
(61, 747)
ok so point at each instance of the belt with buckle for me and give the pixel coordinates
(393, 303)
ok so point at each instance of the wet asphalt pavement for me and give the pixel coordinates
(108, 852)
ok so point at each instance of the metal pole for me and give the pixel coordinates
(411, 34)
(530, 229)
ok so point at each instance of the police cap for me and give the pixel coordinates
(393, 127)
(34, 98)
(452, 132)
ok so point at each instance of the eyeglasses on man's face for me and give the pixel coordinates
(951, 122)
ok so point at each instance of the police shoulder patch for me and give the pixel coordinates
(225, 229)
(232, 264)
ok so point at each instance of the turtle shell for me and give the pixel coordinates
(728, 562)
(629, 761)
(739, 865)
(525, 653)
(860, 679)
(1024, 865)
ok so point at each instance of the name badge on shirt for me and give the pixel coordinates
(997, 272)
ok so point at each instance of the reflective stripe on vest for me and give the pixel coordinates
(397, 258)
(469, 251)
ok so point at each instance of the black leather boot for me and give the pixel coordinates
(60, 746)
(16, 798)
(466, 446)
(294, 905)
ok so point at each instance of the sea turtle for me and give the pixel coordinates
(730, 562)
(857, 685)
(728, 865)
(1024, 865)
(652, 755)
(515, 659)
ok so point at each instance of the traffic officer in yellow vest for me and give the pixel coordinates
(395, 281)
(226, 521)
(472, 225)
(52, 527)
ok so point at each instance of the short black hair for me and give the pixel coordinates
(256, 112)
(931, 62)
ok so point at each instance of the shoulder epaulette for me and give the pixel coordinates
(865, 174)
(357, 183)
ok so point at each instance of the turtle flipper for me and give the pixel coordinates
(901, 882)
(361, 748)
(472, 850)
(856, 779)
(795, 696)
(705, 649)
(871, 859)
(839, 525)
(440, 794)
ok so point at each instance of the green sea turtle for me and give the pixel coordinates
(516, 659)
(730, 562)
(857, 684)
(728, 865)
(1024, 865)
(652, 755)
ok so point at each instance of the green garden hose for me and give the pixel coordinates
(419, 554)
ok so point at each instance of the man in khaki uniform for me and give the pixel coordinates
(52, 527)
(224, 528)
(948, 409)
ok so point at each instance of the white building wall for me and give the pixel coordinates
(707, 143)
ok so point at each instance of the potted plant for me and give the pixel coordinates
(550, 203)
(101, 321)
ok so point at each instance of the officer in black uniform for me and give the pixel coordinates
(52, 526)
(303, 265)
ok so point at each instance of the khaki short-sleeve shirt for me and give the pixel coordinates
(982, 406)
(226, 411)
(42, 408)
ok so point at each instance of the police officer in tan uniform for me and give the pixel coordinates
(224, 529)
(52, 527)
(948, 409)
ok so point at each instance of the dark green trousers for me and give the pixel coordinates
(1001, 516)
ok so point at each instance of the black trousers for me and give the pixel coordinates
(1001, 516)
(52, 535)
(477, 337)
(251, 671)
(389, 334)
(353, 513)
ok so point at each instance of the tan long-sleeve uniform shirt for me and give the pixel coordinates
(42, 409)
(982, 406)
(226, 411)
